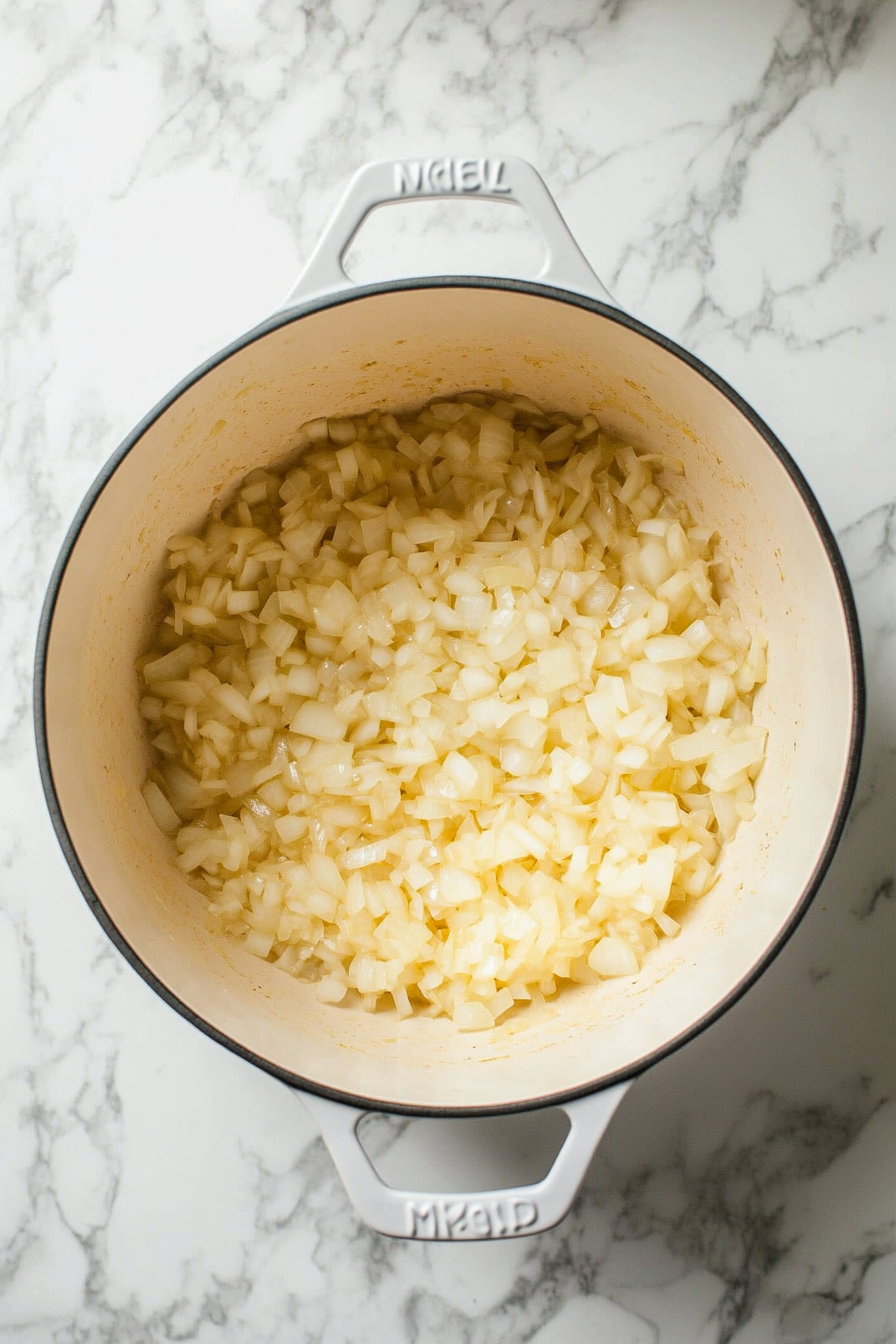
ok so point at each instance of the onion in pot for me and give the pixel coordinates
(448, 712)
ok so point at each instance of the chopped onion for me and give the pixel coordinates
(448, 713)
(613, 956)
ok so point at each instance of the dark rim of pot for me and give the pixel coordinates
(604, 310)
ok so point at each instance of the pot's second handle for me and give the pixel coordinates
(510, 180)
(484, 1215)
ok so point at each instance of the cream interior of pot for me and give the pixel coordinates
(396, 350)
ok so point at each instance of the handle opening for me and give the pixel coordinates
(458, 236)
(452, 1156)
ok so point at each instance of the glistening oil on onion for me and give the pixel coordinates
(448, 713)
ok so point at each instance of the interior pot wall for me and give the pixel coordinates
(394, 350)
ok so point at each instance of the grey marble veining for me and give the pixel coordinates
(729, 172)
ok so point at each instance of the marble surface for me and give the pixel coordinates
(166, 168)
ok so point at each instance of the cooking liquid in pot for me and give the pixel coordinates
(450, 710)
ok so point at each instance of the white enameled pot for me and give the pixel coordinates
(336, 349)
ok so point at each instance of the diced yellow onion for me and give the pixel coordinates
(448, 712)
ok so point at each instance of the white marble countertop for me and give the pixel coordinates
(729, 172)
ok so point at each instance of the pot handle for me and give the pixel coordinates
(508, 180)
(484, 1215)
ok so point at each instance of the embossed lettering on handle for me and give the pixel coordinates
(435, 177)
(469, 1220)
